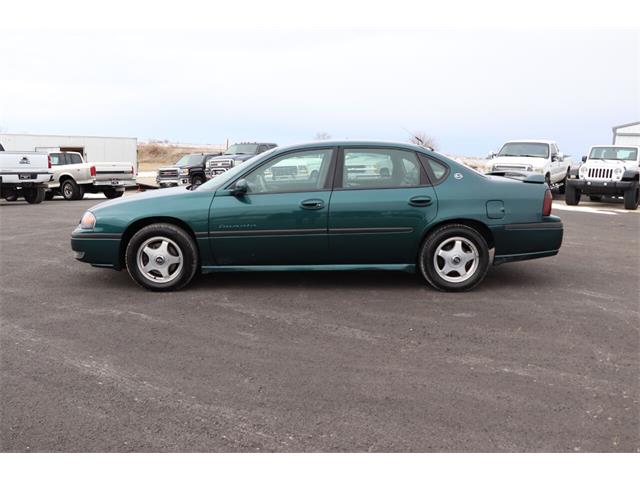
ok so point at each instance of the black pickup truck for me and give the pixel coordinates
(189, 170)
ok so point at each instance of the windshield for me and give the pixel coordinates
(524, 149)
(614, 153)
(189, 161)
(242, 149)
(219, 180)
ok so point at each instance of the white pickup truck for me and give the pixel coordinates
(24, 174)
(539, 156)
(73, 177)
(612, 170)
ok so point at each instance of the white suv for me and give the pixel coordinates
(607, 170)
(539, 156)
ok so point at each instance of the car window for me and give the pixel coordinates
(73, 158)
(380, 168)
(294, 172)
(439, 170)
(57, 159)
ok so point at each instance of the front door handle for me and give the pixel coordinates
(312, 204)
(420, 201)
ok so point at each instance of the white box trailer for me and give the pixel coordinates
(94, 149)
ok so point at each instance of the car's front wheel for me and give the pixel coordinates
(71, 190)
(162, 257)
(454, 257)
(632, 197)
(572, 195)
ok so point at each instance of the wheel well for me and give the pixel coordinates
(480, 227)
(65, 177)
(138, 224)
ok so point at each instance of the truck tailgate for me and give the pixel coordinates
(114, 171)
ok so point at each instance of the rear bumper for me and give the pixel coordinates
(597, 186)
(115, 183)
(526, 241)
(100, 250)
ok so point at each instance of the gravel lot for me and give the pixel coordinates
(544, 356)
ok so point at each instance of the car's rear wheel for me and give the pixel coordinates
(632, 197)
(454, 258)
(162, 257)
(113, 193)
(71, 190)
(572, 195)
(33, 195)
(49, 195)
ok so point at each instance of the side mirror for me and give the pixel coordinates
(555, 157)
(240, 188)
(584, 158)
(491, 155)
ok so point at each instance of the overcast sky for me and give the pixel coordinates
(470, 90)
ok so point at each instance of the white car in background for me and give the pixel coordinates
(73, 177)
(612, 170)
(535, 156)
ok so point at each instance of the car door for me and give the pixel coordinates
(283, 217)
(381, 204)
(79, 170)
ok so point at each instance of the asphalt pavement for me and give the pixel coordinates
(543, 356)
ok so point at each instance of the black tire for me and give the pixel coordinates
(49, 195)
(595, 198)
(113, 193)
(12, 197)
(547, 179)
(427, 259)
(196, 181)
(70, 190)
(632, 197)
(572, 195)
(33, 195)
(187, 248)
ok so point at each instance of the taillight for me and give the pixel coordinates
(546, 204)
(49, 161)
(92, 171)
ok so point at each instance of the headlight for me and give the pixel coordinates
(184, 171)
(618, 172)
(88, 221)
(583, 171)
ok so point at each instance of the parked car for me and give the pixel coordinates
(607, 170)
(24, 174)
(235, 155)
(430, 214)
(73, 177)
(189, 170)
(538, 156)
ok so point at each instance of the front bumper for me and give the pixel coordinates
(212, 172)
(98, 249)
(600, 186)
(524, 241)
(174, 181)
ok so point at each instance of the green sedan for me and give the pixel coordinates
(335, 205)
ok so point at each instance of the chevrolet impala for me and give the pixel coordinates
(361, 206)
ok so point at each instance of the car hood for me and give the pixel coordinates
(517, 160)
(149, 196)
(231, 157)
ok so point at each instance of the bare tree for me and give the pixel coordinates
(322, 136)
(421, 138)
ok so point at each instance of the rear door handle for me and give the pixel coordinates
(420, 201)
(312, 204)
